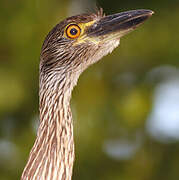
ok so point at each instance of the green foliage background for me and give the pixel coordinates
(112, 101)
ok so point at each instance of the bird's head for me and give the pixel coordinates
(79, 41)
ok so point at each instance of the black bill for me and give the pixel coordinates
(121, 22)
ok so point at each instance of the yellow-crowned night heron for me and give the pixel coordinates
(70, 47)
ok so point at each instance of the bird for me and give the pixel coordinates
(70, 48)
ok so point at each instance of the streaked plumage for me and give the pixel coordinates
(63, 58)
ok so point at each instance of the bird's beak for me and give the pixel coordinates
(119, 24)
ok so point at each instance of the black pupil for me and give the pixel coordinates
(73, 31)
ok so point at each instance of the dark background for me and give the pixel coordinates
(125, 108)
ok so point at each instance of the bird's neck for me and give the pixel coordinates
(52, 155)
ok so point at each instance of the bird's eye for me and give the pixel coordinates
(73, 31)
